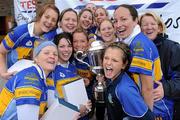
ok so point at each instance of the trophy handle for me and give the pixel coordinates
(79, 55)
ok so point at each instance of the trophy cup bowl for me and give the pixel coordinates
(95, 54)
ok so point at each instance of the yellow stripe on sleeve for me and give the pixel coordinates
(142, 63)
(9, 42)
(157, 70)
(28, 92)
(136, 78)
(5, 98)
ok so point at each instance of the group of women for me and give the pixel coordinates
(136, 50)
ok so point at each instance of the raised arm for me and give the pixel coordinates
(3, 69)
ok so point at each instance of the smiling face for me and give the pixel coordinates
(107, 31)
(65, 50)
(150, 27)
(123, 22)
(113, 62)
(100, 15)
(48, 20)
(69, 22)
(86, 19)
(47, 58)
(80, 42)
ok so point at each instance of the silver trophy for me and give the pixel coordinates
(95, 55)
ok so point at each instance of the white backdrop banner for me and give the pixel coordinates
(167, 9)
(25, 11)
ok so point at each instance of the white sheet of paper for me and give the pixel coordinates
(20, 65)
(59, 112)
(75, 92)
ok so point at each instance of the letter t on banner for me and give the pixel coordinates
(25, 11)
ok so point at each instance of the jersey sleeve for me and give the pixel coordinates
(11, 40)
(142, 61)
(28, 112)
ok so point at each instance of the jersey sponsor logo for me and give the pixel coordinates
(28, 92)
(31, 76)
(138, 47)
(31, 79)
(142, 63)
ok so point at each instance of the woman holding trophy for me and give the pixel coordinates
(81, 45)
(88, 60)
(81, 61)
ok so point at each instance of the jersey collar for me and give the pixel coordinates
(31, 30)
(135, 32)
(65, 65)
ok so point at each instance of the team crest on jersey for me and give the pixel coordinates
(61, 74)
(31, 76)
(138, 47)
(29, 43)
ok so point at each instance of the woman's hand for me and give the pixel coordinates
(158, 92)
(7, 75)
(86, 81)
(89, 105)
(85, 109)
(76, 116)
